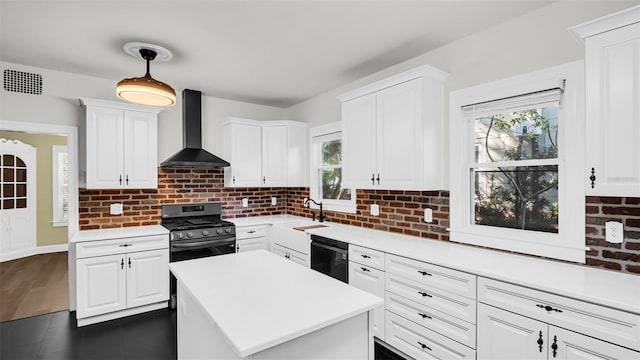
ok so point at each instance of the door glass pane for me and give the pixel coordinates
(330, 182)
(21, 203)
(524, 197)
(7, 160)
(7, 190)
(520, 135)
(21, 175)
(7, 175)
(7, 204)
(332, 152)
(21, 190)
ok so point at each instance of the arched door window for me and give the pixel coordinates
(14, 182)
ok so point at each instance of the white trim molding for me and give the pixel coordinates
(47, 249)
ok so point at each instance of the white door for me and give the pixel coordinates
(399, 134)
(250, 244)
(246, 155)
(372, 281)
(140, 150)
(570, 345)
(508, 336)
(18, 199)
(147, 277)
(613, 112)
(101, 285)
(105, 148)
(359, 142)
(274, 156)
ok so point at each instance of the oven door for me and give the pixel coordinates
(199, 248)
(330, 257)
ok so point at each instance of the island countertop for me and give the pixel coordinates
(259, 300)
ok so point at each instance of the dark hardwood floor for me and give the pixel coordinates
(34, 285)
(55, 336)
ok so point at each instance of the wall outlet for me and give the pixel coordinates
(274, 200)
(428, 215)
(245, 202)
(115, 209)
(375, 209)
(614, 232)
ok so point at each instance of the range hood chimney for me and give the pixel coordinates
(192, 156)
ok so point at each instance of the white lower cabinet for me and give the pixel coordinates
(370, 280)
(250, 238)
(293, 255)
(120, 281)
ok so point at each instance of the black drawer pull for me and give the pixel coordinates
(548, 308)
(365, 269)
(251, 231)
(554, 346)
(424, 273)
(424, 294)
(366, 256)
(540, 342)
(424, 346)
(425, 316)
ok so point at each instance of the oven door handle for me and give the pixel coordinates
(201, 243)
(329, 247)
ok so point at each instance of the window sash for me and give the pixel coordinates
(538, 99)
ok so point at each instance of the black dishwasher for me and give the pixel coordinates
(330, 257)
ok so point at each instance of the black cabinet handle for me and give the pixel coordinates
(424, 346)
(548, 308)
(554, 346)
(233, 179)
(120, 180)
(365, 256)
(378, 179)
(121, 263)
(373, 179)
(593, 177)
(424, 294)
(540, 342)
(127, 179)
(264, 180)
(425, 316)
(424, 273)
(365, 269)
(251, 231)
(129, 263)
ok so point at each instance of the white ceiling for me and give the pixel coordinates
(274, 53)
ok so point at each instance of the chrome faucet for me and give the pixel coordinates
(321, 216)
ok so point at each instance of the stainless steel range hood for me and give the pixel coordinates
(193, 156)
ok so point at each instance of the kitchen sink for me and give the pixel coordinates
(292, 235)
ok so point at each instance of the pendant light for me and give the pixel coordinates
(146, 90)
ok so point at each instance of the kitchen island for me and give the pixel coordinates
(260, 306)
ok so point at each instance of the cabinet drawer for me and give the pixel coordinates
(601, 322)
(432, 319)
(444, 301)
(431, 275)
(422, 343)
(121, 246)
(366, 256)
(250, 232)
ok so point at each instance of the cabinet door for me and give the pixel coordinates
(370, 280)
(246, 155)
(299, 258)
(101, 285)
(359, 142)
(280, 250)
(613, 112)
(571, 345)
(147, 277)
(140, 150)
(250, 244)
(104, 148)
(505, 335)
(274, 156)
(400, 151)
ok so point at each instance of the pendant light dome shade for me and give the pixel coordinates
(146, 90)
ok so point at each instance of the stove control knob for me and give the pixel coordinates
(205, 233)
(227, 230)
(190, 234)
(179, 235)
(219, 231)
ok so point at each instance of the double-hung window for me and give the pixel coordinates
(516, 164)
(326, 170)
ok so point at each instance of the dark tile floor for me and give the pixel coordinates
(55, 336)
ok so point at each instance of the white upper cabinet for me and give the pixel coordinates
(121, 145)
(265, 153)
(612, 61)
(391, 132)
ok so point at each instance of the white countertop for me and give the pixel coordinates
(259, 300)
(119, 233)
(603, 287)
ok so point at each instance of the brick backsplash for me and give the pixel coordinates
(400, 211)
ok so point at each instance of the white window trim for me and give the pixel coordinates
(569, 243)
(346, 206)
(58, 218)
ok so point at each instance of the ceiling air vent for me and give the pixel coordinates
(23, 82)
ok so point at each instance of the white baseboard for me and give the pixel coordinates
(17, 254)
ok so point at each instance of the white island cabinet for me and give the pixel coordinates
(257, 305)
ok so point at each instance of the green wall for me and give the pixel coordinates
(47, 234)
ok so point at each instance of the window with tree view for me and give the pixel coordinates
(515, 172)
(330, 171)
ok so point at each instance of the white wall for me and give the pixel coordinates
(59, 104)
(533, 41)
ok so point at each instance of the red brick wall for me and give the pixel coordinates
(623, 257)
(142, 206)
